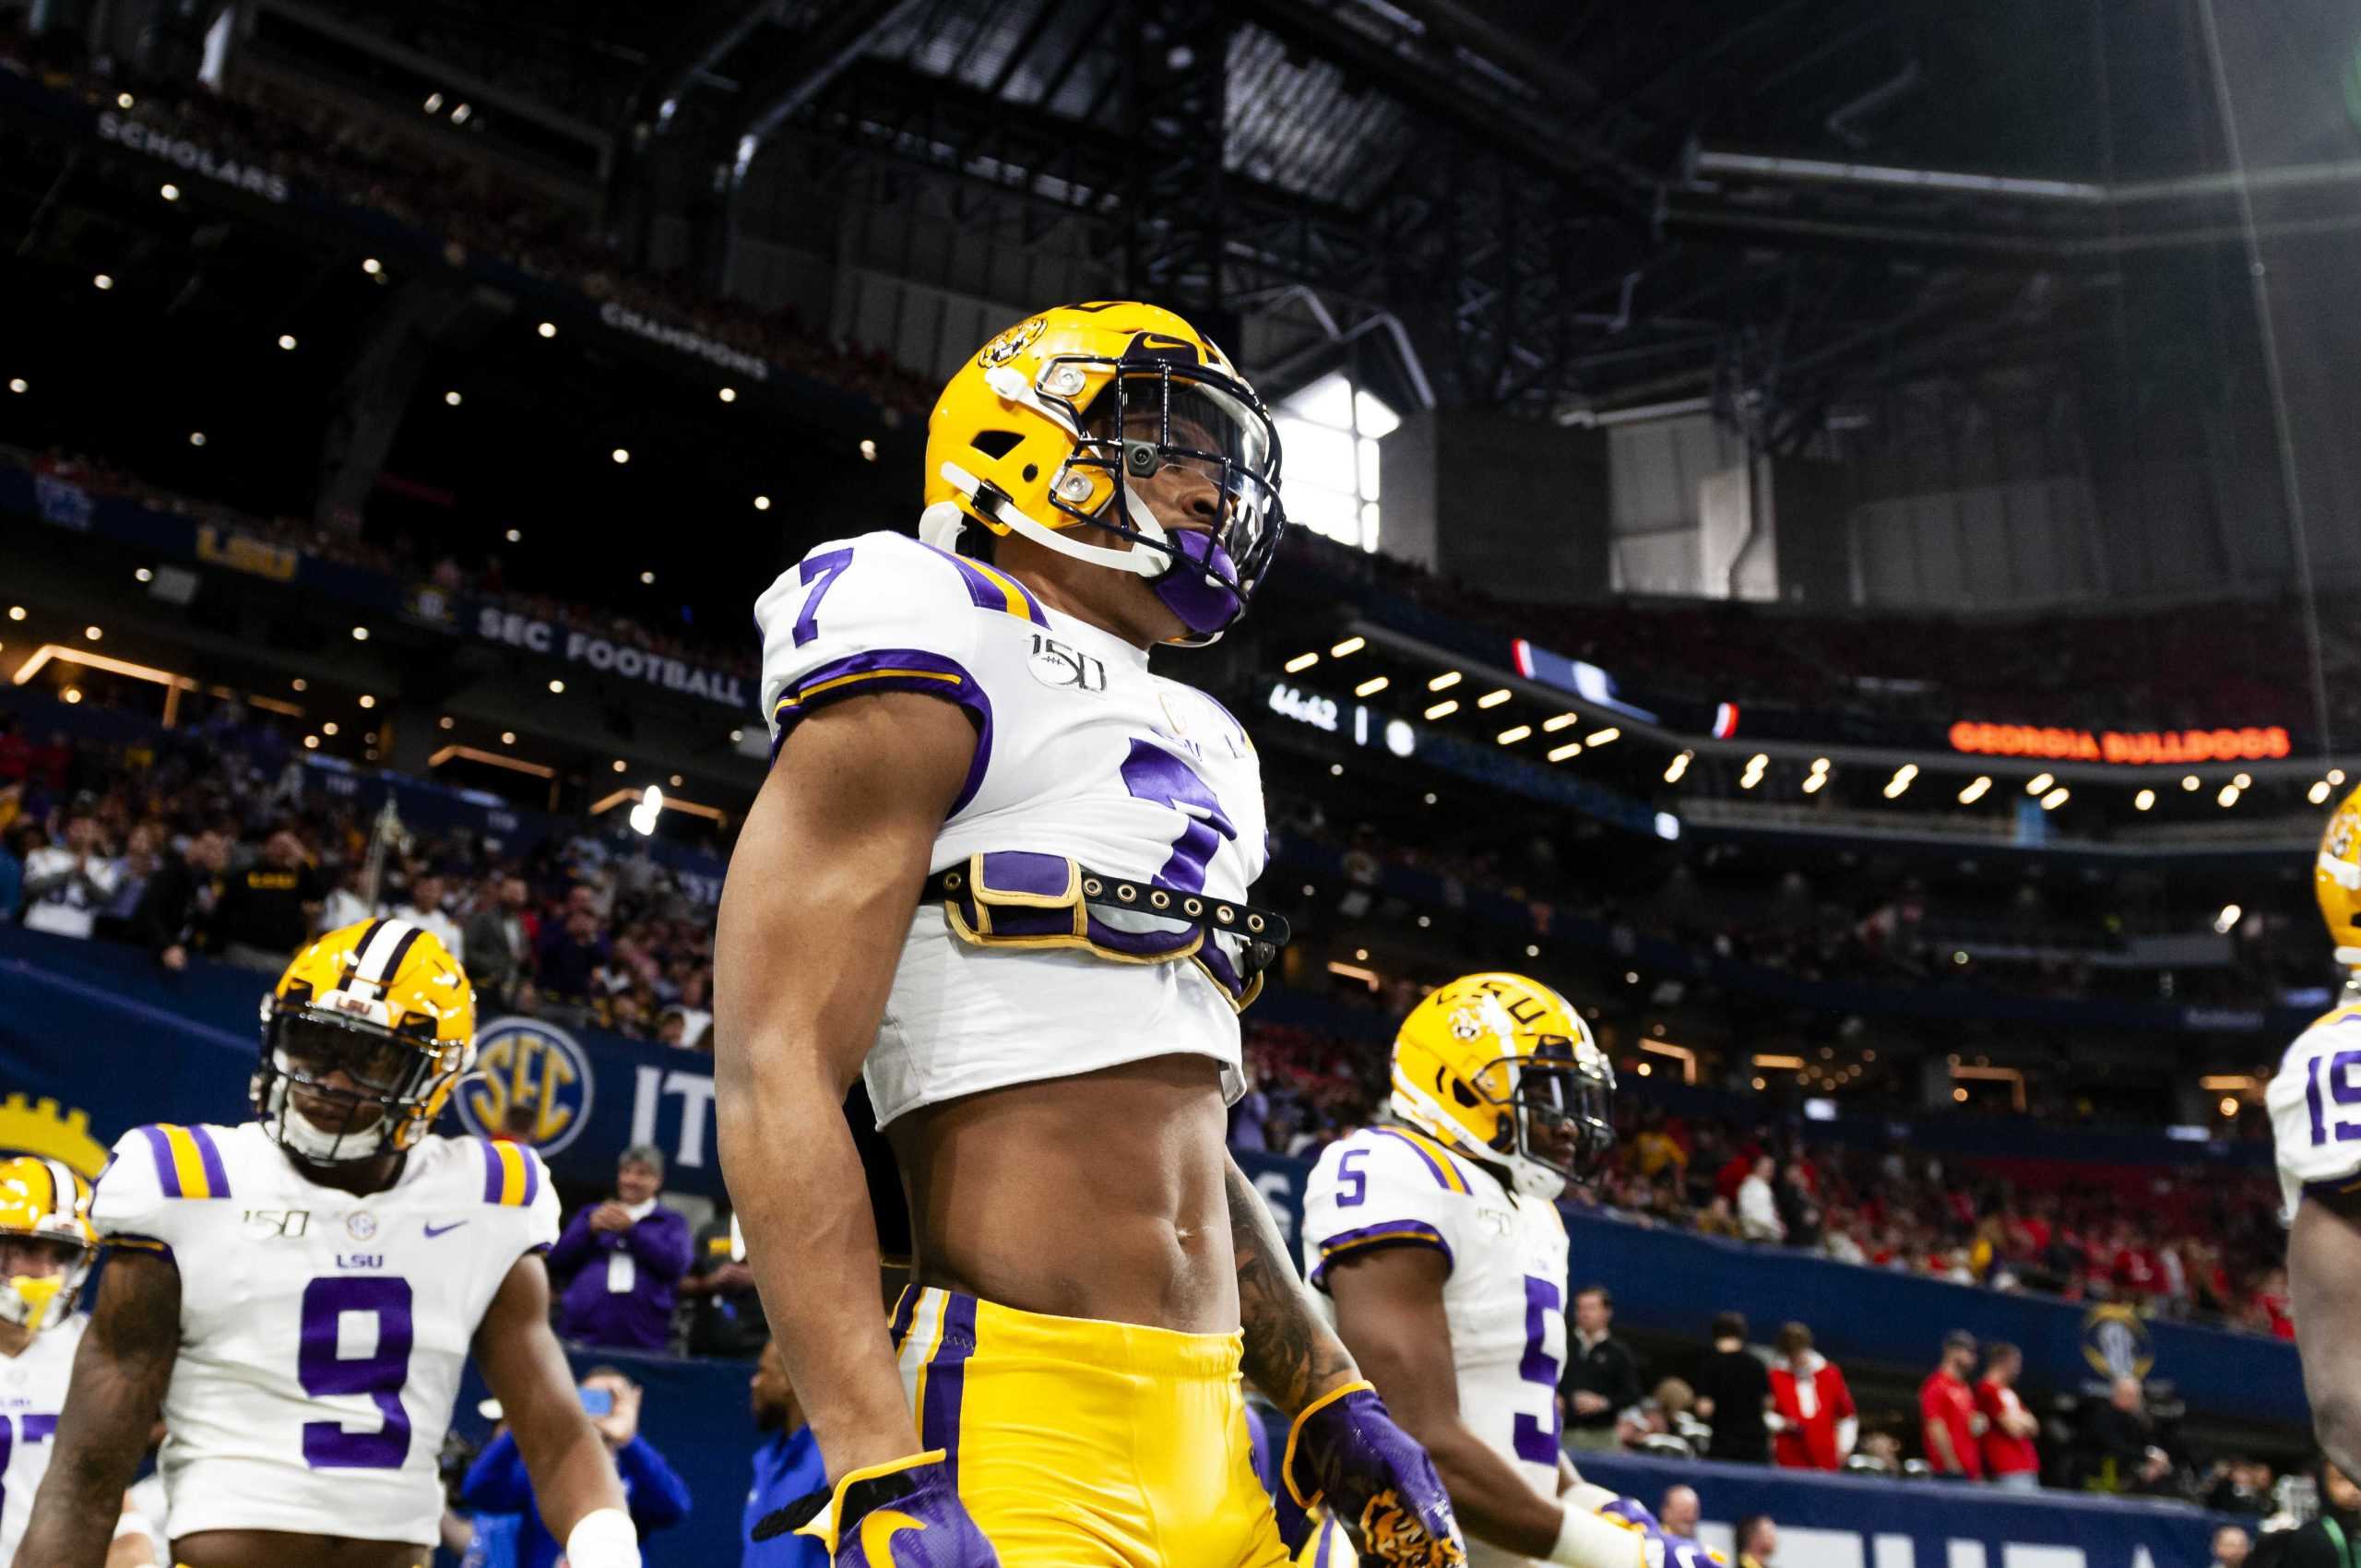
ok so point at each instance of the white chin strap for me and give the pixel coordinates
(942, 532)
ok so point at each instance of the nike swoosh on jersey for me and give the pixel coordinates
(435, 1230)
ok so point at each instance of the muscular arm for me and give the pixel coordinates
(1389, 1309)
(521, 1359)
(827, 873)
(120, 1374)
(1290, 1355)
(2324, 1287)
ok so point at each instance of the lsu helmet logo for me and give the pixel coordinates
(1012, 342)
(532, 1081)
(2115, 1342)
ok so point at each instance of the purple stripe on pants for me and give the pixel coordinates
(946, 1380)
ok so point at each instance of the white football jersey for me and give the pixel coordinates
(322, 1335)
(32, 1390)
(1391, 1185)
(1084, 761)
(2315, 1101)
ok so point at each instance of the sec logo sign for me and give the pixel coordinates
(532, 1082)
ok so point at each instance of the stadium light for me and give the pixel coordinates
(1513, 734)
(2336, 775)
(1493, 698)
(299, 685)
(434, 103)
(1445, 680)
(92, 632)
(1977, 790)
(508, 737)
(2228, 797)
(361, 634)
(2054, 799)
(2189, 781)
(2244, 780)
(287, 341)
(2039, 783)
(1371, 686)
(102, 282)
(329, 728)
(2229, 1107)
(1532, 950)
(648, 580)
(1601, 737)
(868, 449)
(727, 394)
(1349, 646)
(459, 116)
(1901, 781)
(516, 536)
(443, 722)
(2143, 799)
(547, 329)
(72, 696)
(451, 400)
(373, 267)
(1813, 785)
(1559, 721)
(557, 688)
(2317, 794)
(143, 575)
(1678, 765)
(1755, 766)
(620, 455)
(169, 191)
(16, 613)
(619, 764)
(196, 438)
(2227, 920)
(762, 503)
(18, 384)
(311, 742)
(1570, 749)
(124, 101)
(367, 701)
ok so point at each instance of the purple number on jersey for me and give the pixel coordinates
(328, 1445)
(1537, 1442)
(1353, 1179)
(31, 1429)
(1151, 773)
(825, 567)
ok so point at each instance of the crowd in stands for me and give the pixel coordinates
(217, 839)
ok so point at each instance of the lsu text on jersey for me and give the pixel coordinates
(322, 1335)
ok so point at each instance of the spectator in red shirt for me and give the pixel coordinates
(1818, 1423)
(1947, 1412)
(2010, 1457)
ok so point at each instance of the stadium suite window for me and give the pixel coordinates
(1328, 436)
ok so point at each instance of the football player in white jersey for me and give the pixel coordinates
(1435, 1240)
(46, 1248)
(999, 868)
(297, 1296)
(2315, 1101)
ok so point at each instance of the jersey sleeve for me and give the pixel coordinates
(2315, 1102)
(517, 1184)
(1381, 1188)
(154, 1173)
(880, 614)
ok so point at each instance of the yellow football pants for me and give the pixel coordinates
(1077, 1443)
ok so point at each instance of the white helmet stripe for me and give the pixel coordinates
(2345, 873)
(378, 958)
(65, 1197)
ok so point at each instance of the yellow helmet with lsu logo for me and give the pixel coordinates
(1503, 1069)
(363, 1040)
(1048, 430)
(46, 1243)
(2336, 879)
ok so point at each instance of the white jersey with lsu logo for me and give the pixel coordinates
(1504, 1296)
(32, 1390)
(322, 1335)
(1085, 762)
(2315, 1101)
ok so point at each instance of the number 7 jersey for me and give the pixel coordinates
(1083, 761)
(322, 1335)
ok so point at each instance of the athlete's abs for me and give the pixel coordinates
(1101, 1195)
(247, 1549)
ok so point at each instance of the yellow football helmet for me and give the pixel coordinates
(2336, 880)
(46, 1243)
(1049, 428)
(363, 1040)
(1503, 1069)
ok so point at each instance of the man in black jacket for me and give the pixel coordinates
(1602, 1375)
(179, 895)
(1733, 1390)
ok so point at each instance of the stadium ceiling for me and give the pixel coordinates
(1573, 211)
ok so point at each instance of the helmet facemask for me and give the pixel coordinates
(1557, 1124)
(332, 1090)
(40, 1276)
(1149, 414)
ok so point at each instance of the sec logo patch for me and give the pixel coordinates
(534, 1085)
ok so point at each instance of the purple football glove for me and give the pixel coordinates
(1658, 1548)
(1346, 1453)
(905, 1514)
